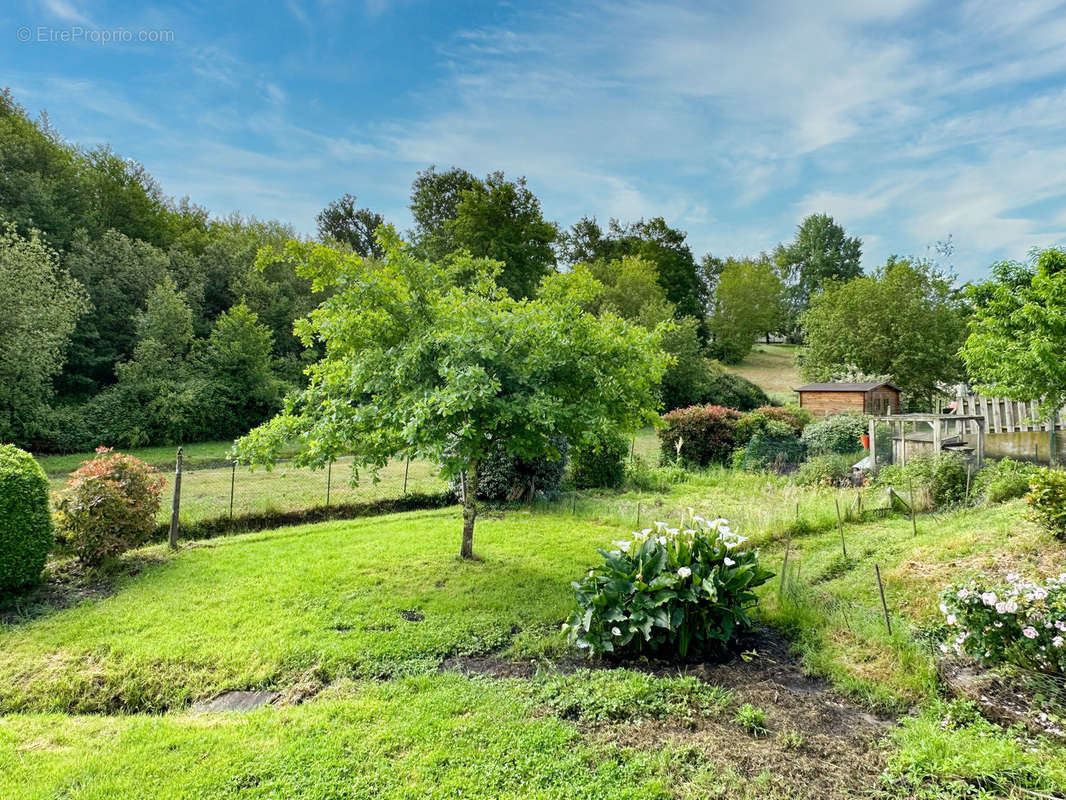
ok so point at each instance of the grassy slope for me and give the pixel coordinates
(313, 604)
(772, 367)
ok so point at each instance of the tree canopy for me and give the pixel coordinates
(748, 301)
(435, 360)
(343, 222)
(820, 251)
(905, 321)
(1017, 331)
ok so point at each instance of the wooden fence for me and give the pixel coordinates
(1006, 416)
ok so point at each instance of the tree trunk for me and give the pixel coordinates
(469, 478)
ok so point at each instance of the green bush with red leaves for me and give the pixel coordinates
(699, 435)
(108, 506)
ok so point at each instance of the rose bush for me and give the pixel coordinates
(1019, 622)
(668, 591)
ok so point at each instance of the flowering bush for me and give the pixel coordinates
(1021, 622)
(108, 506)
(1047, 500)
(699, 435)
(668, 591)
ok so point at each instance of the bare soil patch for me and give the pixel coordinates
(819, 745)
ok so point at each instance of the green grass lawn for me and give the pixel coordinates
(161, 457)
(356, 617)
(772, 367)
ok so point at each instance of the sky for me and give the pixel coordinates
(907, 121)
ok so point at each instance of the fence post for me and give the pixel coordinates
(329, 478)
(840, 525)
(884, 605)
(914, 522)
(175, 506)
(406, 467)
(232, 486)
(638, 516)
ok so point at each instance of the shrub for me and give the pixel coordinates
(25, 522)
(937, 480)
(1020, 622)
(702, 435)
(840, 433)
(601, 464)
(1006, 479)
(669, 592)
(109, 505)
(773, 447)
(795, 417)
(832, 469)
(733, 391)
(506, 478)
(1047, 500)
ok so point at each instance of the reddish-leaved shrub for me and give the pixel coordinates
(108, 506)
(702, 435)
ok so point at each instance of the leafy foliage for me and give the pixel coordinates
(699, 435)
(821, 251)
(905, 321)
(937, 480)
(1017, 335)
(668, 591)
(504, 477)
(1019, 622)
(748, 301)
(840, 433)
(831, 469)
(341, 221)
(600, 464)
(41, 304)
(437, 361)
(1005, 479)
(1047, 499)
(773, 446)
(25, 521)
(108, 506)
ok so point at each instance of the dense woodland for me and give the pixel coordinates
(131, 318)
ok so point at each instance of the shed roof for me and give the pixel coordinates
(845, 387)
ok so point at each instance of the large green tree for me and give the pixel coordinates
(654, 241)
(436, 360)
(40, 303)
(343, 222)
(748, 301)
(905, 321)
(493, 218)
(821, 250)
(1017, 332)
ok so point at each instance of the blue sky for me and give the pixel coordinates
(907, 121)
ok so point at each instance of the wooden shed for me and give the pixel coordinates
(823, 399)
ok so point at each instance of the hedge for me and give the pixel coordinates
(26, 534)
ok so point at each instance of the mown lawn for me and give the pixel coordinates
(355, 619)
(772, 367)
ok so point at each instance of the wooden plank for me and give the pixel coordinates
(996, 423)
(1034, 414)
(985, 413)
(1023, 417)
(1008, 414)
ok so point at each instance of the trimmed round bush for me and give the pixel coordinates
(701, 435)
(734, 391)
(840, 433)
(25, 522)
(600, 464)
(109, 506)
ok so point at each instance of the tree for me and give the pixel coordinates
(237, 385)
(654, 241)
(343, 222)
(820, 251)
(1017, 331)
(41, 304)
(492, 218)
(748, 301)
(501, 220)
(435, 360)
(905, 321)
(435, 198)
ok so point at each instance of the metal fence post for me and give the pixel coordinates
(884, 605)
(406, 468)
(175, 507)
(329, 478)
